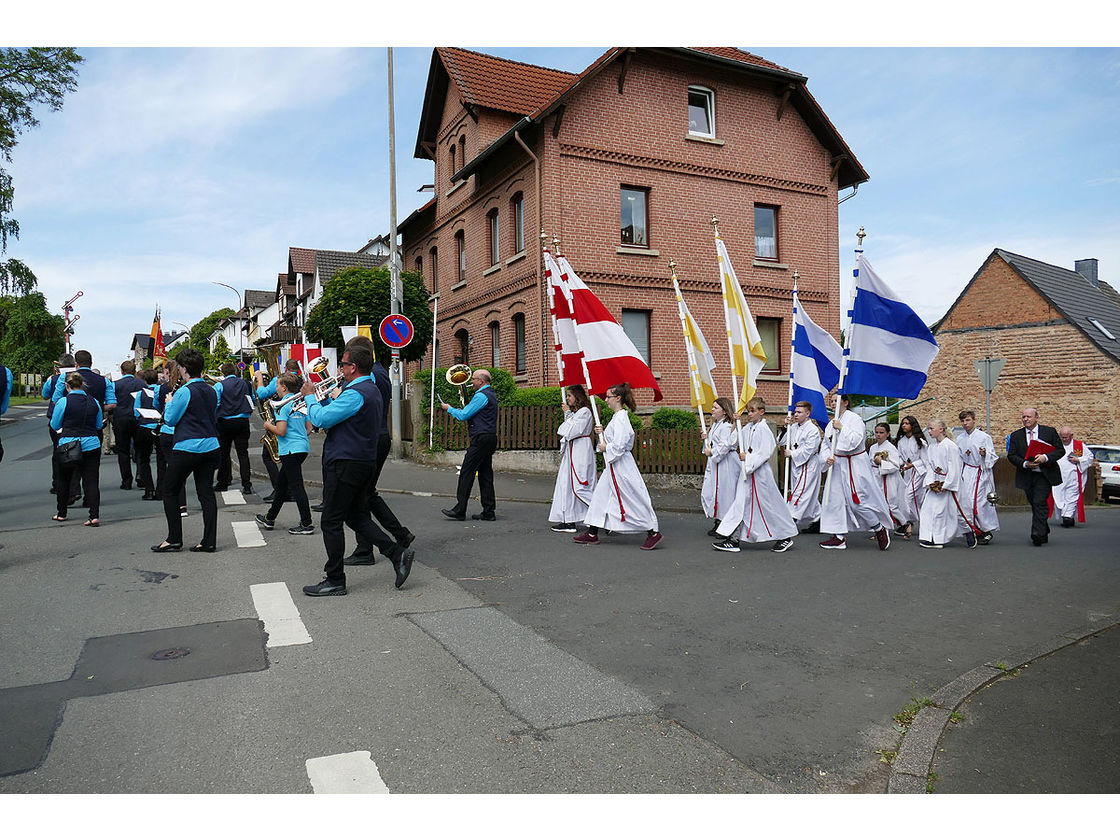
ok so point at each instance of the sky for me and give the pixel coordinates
(174, 168)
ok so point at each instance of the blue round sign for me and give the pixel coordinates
(395, 330)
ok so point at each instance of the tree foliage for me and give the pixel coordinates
(201, 332)
(28, 77)
(30, 337)
(363, 293)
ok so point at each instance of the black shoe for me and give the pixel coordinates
(406, 540)
(357, 559)
(126, 485)
(782, 545)
(985, 538)
(565, 528)
(1036, 539)
(1067, 521)
(209, 549)
(815, 528)
(168, 547)
(147, 497)
(247, 491)
(265, 522)
(302, 530)
(485, 517)
(318, 508)
(158, 497)
(217, 488)
(325, 587)
(402, 564)
(450, 514)
(714, 532)
(970, 539)
(270, 497)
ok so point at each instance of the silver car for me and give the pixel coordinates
(1108, 459)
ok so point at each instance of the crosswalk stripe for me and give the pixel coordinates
(352, 772)
(233, 497)
(280, 615)
(247, 534)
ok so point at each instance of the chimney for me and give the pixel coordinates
(1088, 270)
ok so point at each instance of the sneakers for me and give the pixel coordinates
(900, 531)
(970, 539)
(883, 537)
(782, 545)
(357, 559)
(302, 530)
(265, 522)
(586, 538)
(835, 542)
(714, 531)
(726, 545)
(183, 513)
(928, 544)
(985, 538)
(652, 541)
(565, 528)
(325, 587)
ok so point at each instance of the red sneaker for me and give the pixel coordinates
(835, 542)
(651, 541)
(883, 537)
(586, 538)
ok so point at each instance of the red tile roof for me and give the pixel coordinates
(502, 84)
(743, 56)
(302, 260)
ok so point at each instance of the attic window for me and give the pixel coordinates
(1101, 327)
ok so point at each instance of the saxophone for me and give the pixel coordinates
(269, 441)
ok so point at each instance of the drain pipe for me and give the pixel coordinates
(540, 256)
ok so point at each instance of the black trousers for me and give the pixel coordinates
(164, 442)
(380, 509)
(201, 465)
(1038, 491)
(270, 467)
(235, 431)
(478, 460)
(89, 468)
(145, 442)
(345, 502)
(54, 459)
(124, 430)
(289, 487)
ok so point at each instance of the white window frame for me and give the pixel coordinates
(638, 326)
(710, 96)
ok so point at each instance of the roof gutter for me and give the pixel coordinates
(469, 169)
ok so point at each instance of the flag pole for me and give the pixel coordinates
(552, 314)
(789, 404)
(582, 359)
(725, 278)
(693, 373)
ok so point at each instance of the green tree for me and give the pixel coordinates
(363, 293)
(30, 337)
(220, 356)
(201, 332)
(28, 77)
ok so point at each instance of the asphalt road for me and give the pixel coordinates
(513, 659)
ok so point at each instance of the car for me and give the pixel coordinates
(1108, 459)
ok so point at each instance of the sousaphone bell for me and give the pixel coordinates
(459, 375)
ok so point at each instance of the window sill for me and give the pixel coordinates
(492, 269)
(637, 252)
(770, 264)
(520, 255)
(700, 138)
(773, 377)
(459, 285)
(520, 378)
(458, 185)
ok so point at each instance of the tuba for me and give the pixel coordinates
(459, 375)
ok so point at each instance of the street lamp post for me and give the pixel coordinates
(240, 306)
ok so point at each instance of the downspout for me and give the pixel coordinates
(540, 255)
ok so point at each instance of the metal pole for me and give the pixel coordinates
(240, 306)
(394, 270)
(987, 392)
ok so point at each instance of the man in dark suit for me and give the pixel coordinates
(1036, 476)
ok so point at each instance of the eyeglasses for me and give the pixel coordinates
(351, 364)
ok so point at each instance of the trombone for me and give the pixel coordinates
(459, 375)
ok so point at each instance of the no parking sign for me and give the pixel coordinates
(396, 331)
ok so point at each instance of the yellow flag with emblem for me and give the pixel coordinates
(743, 339)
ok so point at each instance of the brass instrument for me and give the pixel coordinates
(269, 440)
(459, 375)
(318, 367)
(213, 376)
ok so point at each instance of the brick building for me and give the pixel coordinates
(632, 156)
(1057, 328)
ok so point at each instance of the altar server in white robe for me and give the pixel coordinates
(941, 520)
(802, 448)
(721, 476)
(1068, 497)
(885, 462)
(759, 513)
(851, 502)
(575, 482)
(620, 502)
(911, 444)
(979, 456)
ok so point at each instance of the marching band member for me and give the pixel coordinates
(64, 361)
(911, 445)
(124, 420)
(979, 454)
(885, 462)
(759, 513)
(851, 500)
(165, 435)
(721, 475)
(147, 421)
(620, 502)
(235, 406)
(98, 387)
(77, 418)
(1068, 498)
(941, 517)
(291, 429)
(575, 482)
(803, 444)
(267, 392)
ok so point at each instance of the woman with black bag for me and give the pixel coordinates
(77, 418)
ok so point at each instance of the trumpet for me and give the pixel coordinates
(213, 376)
(318, 367)
(460, 375)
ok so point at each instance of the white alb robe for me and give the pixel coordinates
(620, 501)
(913, 479)
(940, 519)
(1074, 477)
(851, 500)
(759, 513)
(887, 477)
(804, 443)
(575, 482)
(976, 479)
(721, 476)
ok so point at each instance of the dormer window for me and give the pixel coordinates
(701, 111)
(453, 167)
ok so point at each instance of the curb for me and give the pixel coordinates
(916, 752)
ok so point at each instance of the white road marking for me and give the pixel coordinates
(233, 497)
(248, 535)
(352, 772)
(280, 615)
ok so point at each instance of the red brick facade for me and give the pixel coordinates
(601, 140)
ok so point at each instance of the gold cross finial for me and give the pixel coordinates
(861, 235)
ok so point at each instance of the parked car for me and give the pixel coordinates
(1108, 458)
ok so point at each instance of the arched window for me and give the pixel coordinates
(433, 267)
(517, 221)
(453, 167)
(461, 252)
(462, 347)
(420, 266)
(519, 340)
(462, 150)
(495, 344)
(495, 243)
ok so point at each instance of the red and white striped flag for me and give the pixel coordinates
(563, 327)
(610, 355)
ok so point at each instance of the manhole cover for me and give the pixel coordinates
(171, 653)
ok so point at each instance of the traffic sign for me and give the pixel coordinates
(241, 366)
(988, 370)
(396, 331)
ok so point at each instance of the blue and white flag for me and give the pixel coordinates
(814, 368)
(889, 348)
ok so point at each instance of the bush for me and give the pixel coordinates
(674, 418)
(535, 396)
(500, 380)
(605, 415)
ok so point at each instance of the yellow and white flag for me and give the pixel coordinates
(701, 362)
(744, 342)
